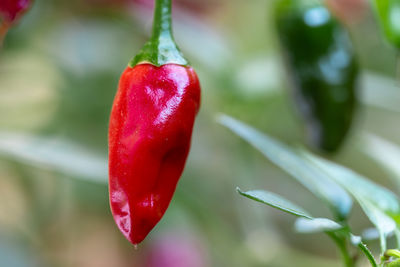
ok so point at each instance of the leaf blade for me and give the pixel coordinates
(316, 225)
(385, 153)
(285, 158)
(275, 201)
(55, 154)
(381, 206)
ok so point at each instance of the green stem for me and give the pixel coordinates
(382, 238)
(341, 244)
(368, 254)
(161, 48)
(356, 241)
(162, 24)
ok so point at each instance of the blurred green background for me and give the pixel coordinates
(59, 70)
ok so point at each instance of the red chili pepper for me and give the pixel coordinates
(10, 11)
(150, 130)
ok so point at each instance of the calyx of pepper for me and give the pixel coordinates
(161, 49)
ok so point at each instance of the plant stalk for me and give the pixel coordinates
(348, 260)
(162, 23)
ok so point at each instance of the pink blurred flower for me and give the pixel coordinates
(175, 250)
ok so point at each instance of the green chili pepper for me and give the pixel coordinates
(389, 16)
(322, 67)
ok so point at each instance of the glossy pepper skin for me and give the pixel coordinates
(322, 67)
(150, 130)
(389, 18)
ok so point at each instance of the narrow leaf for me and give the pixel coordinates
(275, 201)
(384, 224)
(284, 157)
(383, 152)
(55, 154)
(357, 185)
(392, 253)
(379, 204)
(370, 234)
(380, 91)
(316, 225)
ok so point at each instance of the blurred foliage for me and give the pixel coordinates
(59, 69)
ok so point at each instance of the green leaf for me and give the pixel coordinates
(284, 157)
(55, 154)
(307, 224)
(386, 98)
(392, 253)
(316, 179)
(379, 204)
(357, 185)
(388, 13)
(275, 201)
(383, 152)
(316, 225)
(395, 263)
(371, 234)
(384, 224)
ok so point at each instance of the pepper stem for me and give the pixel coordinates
(161, 48)
(162, 24)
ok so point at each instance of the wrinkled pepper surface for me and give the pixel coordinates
(322, 68)
(389, 18)
(150, 130)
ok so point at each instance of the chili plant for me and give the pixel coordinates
(337, 186)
